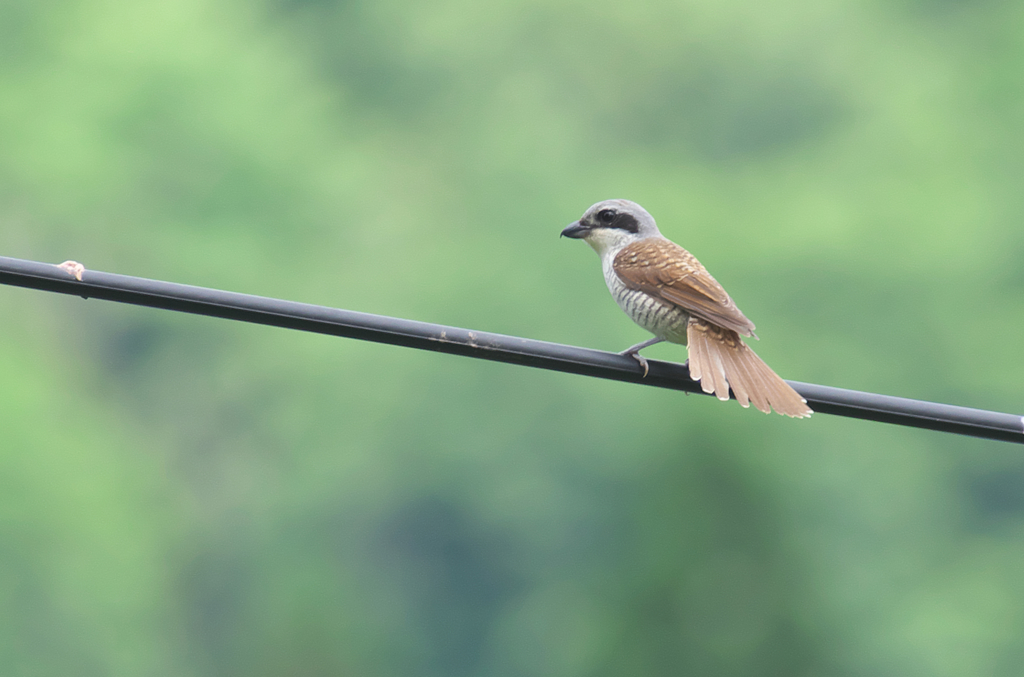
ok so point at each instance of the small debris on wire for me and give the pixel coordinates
(73, 268)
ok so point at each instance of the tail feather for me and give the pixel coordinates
(719, 359)
(696, 356)
(718, 372)
(741, 380)
(747, 377)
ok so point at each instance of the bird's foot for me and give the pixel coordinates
(634, 352)
(639, 358)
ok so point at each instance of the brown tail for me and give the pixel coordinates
(719, 359)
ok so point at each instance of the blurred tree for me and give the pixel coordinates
(188, 496)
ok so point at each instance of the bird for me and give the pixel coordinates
(664, 289)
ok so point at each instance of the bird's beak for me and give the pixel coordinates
(576, 230)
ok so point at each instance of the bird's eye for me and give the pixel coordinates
(606, 215)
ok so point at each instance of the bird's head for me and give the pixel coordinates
(610, 225)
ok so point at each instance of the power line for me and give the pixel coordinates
(484, 345)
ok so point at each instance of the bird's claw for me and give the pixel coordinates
(641, 359)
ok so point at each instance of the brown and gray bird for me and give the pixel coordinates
(665, 290)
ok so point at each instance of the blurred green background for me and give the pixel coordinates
(188, 496)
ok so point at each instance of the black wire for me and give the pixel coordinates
(497, 347)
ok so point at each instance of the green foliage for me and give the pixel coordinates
(188, 496)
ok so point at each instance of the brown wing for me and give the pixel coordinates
(665, 270)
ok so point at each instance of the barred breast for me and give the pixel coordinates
(664, 320)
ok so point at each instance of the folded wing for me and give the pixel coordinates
(665, 270)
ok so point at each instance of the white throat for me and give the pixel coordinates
(608, 242)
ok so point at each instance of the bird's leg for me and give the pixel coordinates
(634, 352)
